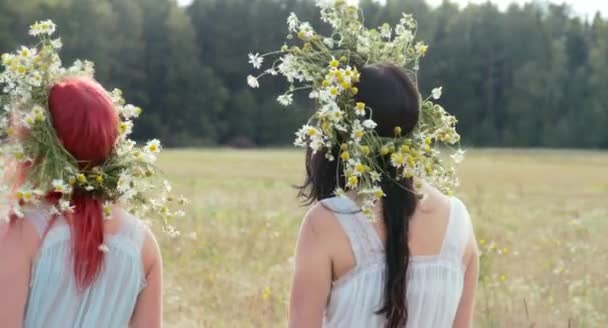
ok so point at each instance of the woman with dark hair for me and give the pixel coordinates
(415, 266)
(383, 245)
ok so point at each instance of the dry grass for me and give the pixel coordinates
(548, 209)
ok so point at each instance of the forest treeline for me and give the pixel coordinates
(531, 76)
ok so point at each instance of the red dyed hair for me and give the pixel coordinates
(86, 123)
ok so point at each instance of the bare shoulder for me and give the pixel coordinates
(435, 203)
(319, 219)
(321, 224)
(150, 252)
(20, 235)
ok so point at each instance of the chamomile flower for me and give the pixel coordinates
(255, 60)
(129, 111)
(60, 186)
(57, 43)
(436, 93)
(369, 124)
(153, 146)
(65, 206)
(44, 27)
(252, 81)
(293, 22)
(458, 157)
(285, 99)
(360, 109)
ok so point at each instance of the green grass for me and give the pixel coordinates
(549, 209)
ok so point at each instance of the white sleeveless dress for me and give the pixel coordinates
(54, 299)
(434, 283)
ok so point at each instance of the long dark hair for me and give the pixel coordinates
(393, 97)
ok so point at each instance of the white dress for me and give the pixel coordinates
(434, 283)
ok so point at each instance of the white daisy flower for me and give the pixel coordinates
(125, 181)
(57, 43)
(255, 60)
(436, 93)
(60, 186)
(130, 111)
(65, 206)
(293, 22)
(44, 27)
(375, 176)
(253, 81)
(369, 124)
(286, 99)
(153, 146)
(386, 31)
(271, 71)
(458, 157)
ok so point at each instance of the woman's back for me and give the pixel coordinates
(337, 236)
(55, 300)
(434, 283)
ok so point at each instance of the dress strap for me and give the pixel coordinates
(364, 240)
(458, 232)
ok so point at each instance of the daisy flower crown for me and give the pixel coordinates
(328, 66)
(28, 139)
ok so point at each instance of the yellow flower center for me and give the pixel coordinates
(397, 131)
(379, 193)
(334, 63)
(365, 150)
(360, 168)
(345, 156)
(353, 181)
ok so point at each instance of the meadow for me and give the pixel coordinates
(541, 220)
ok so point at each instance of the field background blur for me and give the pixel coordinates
(521, 80)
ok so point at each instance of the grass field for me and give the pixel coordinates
(541, 219)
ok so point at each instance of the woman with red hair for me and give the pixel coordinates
(84, 267)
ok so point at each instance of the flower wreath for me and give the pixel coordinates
(329, 66)
(127, 176)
